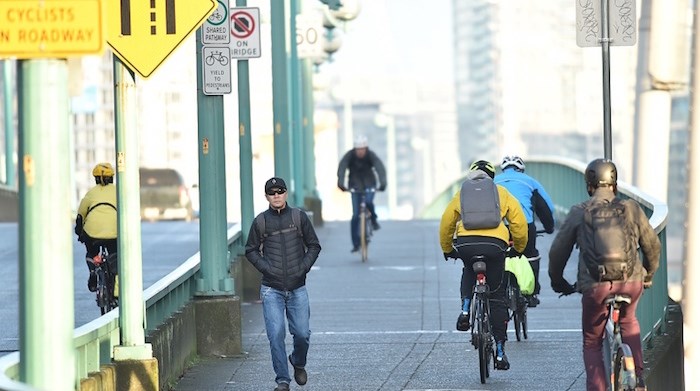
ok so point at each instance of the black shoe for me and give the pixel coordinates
(282, 387)
(92, 282)
(463, 322)
(299, 373)
(375, 225)
(355, 249)
(501, 361)
(532, 301)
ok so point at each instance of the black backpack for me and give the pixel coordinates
(296, 220)
(609, 250)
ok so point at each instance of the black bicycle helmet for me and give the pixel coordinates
(484, 166)
(601, 172)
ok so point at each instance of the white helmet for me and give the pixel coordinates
(513, 161)
(361, 141)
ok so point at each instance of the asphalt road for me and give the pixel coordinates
(165, 245)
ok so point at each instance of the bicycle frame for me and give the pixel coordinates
(365, 223)
(106, 279)
(619, 362)
(517, 306)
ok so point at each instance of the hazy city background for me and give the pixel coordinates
(455, 80)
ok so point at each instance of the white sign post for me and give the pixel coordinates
(245, 33)
(216, 54)
(309, 35)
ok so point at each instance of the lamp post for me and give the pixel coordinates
(384, 120)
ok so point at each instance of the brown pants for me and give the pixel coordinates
(594, 316)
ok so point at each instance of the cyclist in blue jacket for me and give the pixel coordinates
(535, 201)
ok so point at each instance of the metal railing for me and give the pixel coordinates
(94, 342)
(563, 179)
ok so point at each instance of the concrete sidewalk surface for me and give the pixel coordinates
(389, 324)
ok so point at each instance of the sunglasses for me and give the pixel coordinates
(275, 191)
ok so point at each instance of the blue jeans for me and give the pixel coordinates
(355, 221)
(296, 305)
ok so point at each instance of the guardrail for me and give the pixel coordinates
(94, 342)
(563, 179)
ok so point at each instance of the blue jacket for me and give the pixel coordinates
(524, 188)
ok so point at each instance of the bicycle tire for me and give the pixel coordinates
(623, 375)
(101, 293)
(363, 233)
(524, 321)
(483, 351)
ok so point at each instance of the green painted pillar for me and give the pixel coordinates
(280, 91)
(245, 145)
(9, 123)
(297, 103)
(46, 312)
(214, 276)
(131, 306)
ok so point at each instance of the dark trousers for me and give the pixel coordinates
(593, 318)
(533, 255)
(494, 251)
(92, 247)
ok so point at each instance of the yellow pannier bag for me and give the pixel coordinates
(520, 267)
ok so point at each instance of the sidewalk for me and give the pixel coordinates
(389, 324)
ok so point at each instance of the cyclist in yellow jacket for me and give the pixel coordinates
(97, 217)
(458, 242)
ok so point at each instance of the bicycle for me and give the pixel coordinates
(619, 362)
(106, 272)
(481, 337)
(517, 306)
(216, 55)
(366, 230)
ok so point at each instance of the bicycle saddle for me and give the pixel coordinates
(479, 266)
(618, 299)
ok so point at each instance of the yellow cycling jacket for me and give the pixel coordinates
(451, 223)
(101, 221)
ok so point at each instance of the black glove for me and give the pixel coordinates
(452, 254)
(342, 188)
(562, 286)
(381, 187)
(647, 281)
(549, 230)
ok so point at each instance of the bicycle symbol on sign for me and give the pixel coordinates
(216, 55)
(220, 15)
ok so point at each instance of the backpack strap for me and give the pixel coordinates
(95, 206)
(296, 220)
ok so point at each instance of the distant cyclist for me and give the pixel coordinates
(457, 241)
(365, 174)
(534, 200)
(97, 217)
(599, 277)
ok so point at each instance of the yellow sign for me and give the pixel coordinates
(51, 28)
(143, 33)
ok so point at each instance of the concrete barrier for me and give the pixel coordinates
(9, 205)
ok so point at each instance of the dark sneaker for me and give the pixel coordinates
(282, 387)
(92, 282)
(532, 301)
(463, 321)
(501, 362)
(375, 225)
(299, 373)
(640, 385)
(355, 249)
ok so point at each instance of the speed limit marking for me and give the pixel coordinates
(309, 35)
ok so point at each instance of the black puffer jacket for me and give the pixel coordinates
(283, 258)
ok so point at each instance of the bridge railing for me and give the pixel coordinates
(563, 179)
(94, 342)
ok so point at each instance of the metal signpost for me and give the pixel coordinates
(605, 23)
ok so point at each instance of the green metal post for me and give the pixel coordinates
(296, 99)
(213, 243)
(45, 227)
(309, 147)
(9, 123)
(245, 144)
(280, 88)
(131, 305)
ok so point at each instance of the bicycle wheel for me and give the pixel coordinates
(363, 233)
(482, 342)
(102, 291)
(623, 375)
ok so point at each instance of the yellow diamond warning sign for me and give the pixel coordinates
(143, 33)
